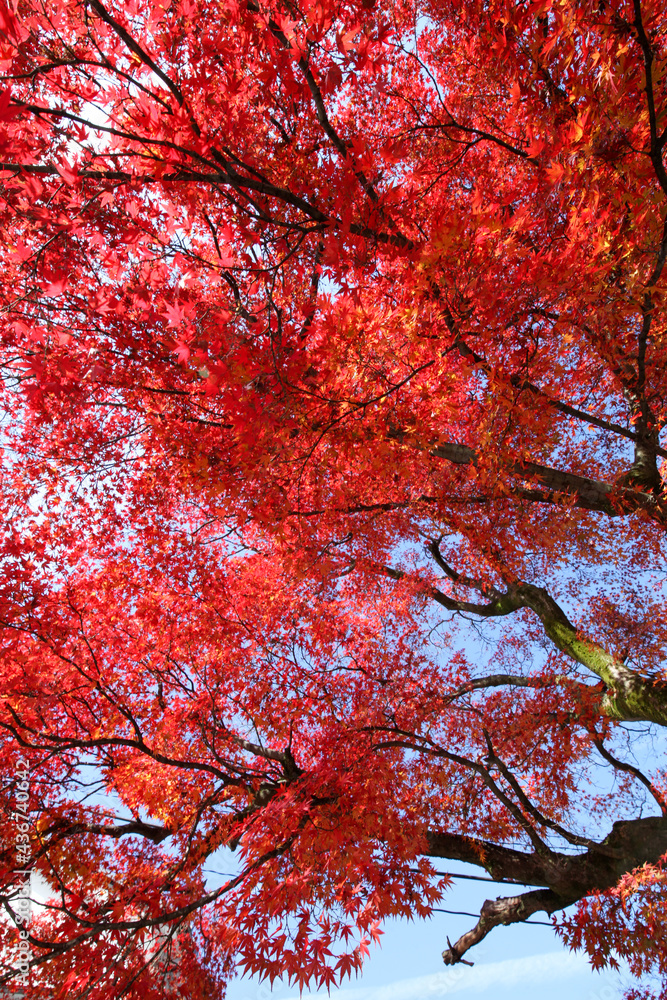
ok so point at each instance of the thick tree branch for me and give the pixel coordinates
(590, 494)
(564, 488)
(137, 828)
(499, 680)
(507, 910)
(657, 142)
(629, 696)
(565, 878)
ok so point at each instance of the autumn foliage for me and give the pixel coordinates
(334, 354)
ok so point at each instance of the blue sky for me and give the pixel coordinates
(512, 963)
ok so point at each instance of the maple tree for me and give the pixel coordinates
(334, 365)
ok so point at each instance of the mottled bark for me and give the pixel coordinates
(562, 487)
(564, 879)
(629, 696)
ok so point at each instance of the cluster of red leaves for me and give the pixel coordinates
(287, 292)
(628, 921)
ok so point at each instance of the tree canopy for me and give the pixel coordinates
(334, 355)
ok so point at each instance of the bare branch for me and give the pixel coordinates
(631, 769)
